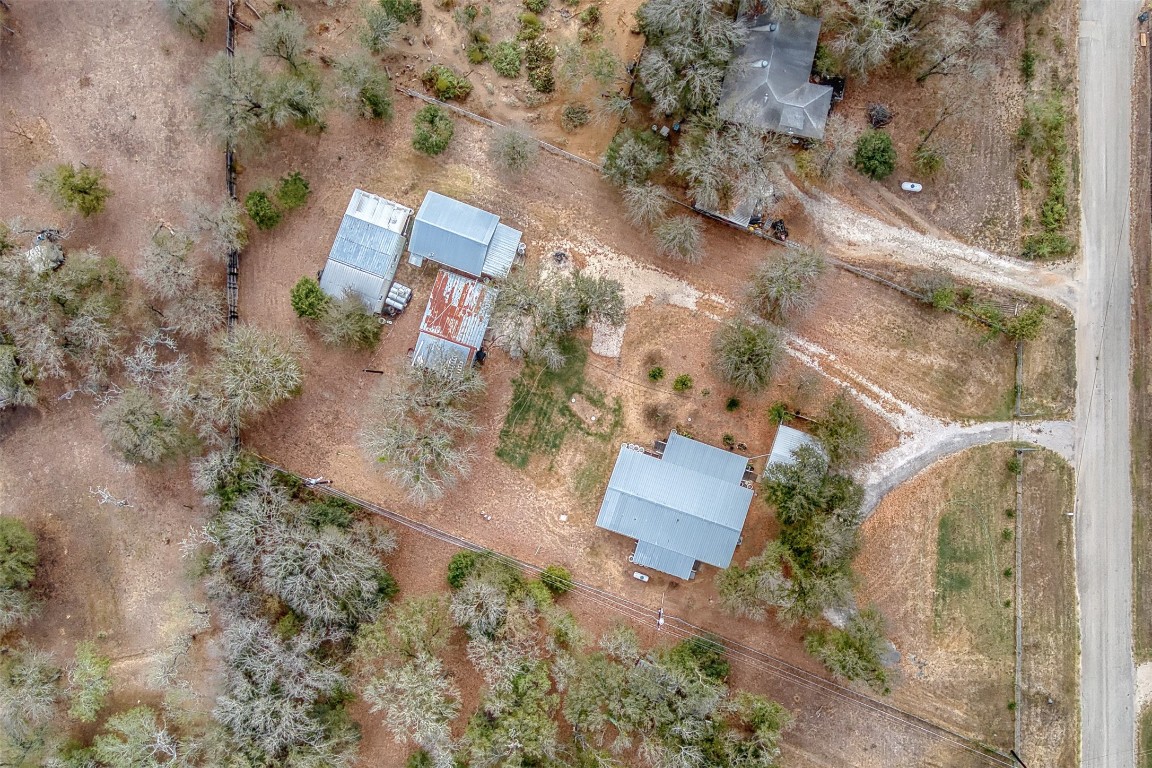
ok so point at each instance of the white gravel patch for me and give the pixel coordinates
(641, 282)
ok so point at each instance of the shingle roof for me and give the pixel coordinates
(455, 320)
(688, 506)
(786, 441)
(461, 236)
(767, 82)
(366, 250)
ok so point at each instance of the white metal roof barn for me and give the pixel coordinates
(367, 249)
(454, 323)
(685, 507)
(462, 237)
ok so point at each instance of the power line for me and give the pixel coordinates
(739, 652)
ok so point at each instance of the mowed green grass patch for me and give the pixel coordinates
(540, 416)
(975, 552)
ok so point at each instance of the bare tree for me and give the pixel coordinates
(954, 45)
(253, 371)
(192, 16)
(221, 227)
(726, 160)
(870, 30)
(782, 288)
(28, 692)
(512, 150)
(833, 154)
(646, 204)
(348, 322)
(137, 428)
(135, 739)
(379, 28)
(281, 35)
(364, 87)
(679, 238)
(419, 704)
(166, 268)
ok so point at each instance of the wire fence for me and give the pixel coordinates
(233, 275)
(681, 629)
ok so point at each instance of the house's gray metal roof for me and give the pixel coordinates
(502, 251)
(788, 440)
(339, 278)
(767, 82)
(664, 560)
(452, 233)
(705, 459)
(675, 508)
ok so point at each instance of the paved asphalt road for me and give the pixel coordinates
(1108, 31)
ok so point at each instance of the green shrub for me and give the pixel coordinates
(293, 191)
(928, 160)
(536, 6)
(433, 130)
(656, 373)
(633, 156)
(875, 156)
(308, 300)
(575, 116)
(420, 759)
(386, 585)
(506, 59)
(732, 404)
(477, 53)
(82, 191)
(1046, 245)
(1026, 325)
(590, 17)
(538, 58)
(530, 27)
(704, 654)
(557, 579)
(404, 10)
(18, 557)
(1028, 63)
(445, 83)
(683, 383)
(329, 511)
(262, 210)
(461, 566)
(348, 322)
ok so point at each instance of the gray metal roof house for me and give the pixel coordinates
(462, 237)
(767, 81)
(685, 507)
(454, 323)
(367, 249)
(786, 442)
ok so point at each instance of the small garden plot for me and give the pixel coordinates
(548, 404)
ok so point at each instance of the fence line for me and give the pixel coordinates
(233, 274)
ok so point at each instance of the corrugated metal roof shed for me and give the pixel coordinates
(447, 355)
(452, 233)
(703, 458)
(675, 508)
(663, 560)
(455, 319)
(502, 251)
(768, 78)
(366, 250)
(788, 440)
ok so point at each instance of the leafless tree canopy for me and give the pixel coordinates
(253, 371)
(726, 160)
(783, 287)
(679, 238)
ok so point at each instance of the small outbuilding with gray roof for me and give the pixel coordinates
(367, 250)
(786, 442)
(767, 83)
(454, 323)
(462, 237)
(684, 508)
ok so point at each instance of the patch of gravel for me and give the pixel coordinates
(641, 283)
(867, 238)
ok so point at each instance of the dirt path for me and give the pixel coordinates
(1104, 457)
(858, 237)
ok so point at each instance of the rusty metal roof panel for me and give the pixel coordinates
(458, 310)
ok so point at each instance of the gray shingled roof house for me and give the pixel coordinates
(683, 508)
(366, 250)
(454, 322)
(462, 237)
(767, 81)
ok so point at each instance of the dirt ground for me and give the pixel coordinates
(976, 197)
(958, 653)
(108, 573)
